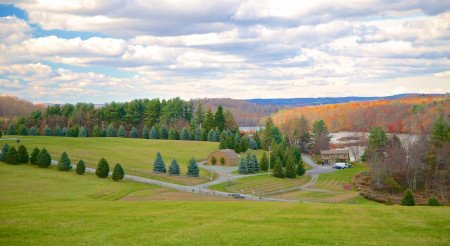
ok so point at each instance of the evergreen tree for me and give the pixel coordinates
(408, 199)
(34, 156)
(163, 133)
(193, 170)
(243, 145)
(33, 131)
(159, 166)
(253, 144)
(243, 168)
(65, 132)
(102, 132)
(255, 163)
(145, 133)
(217, 134)
(173, 134)
(44, 159)
(257, 140)
(222, 160)
(102, 168)
(23, 131)
(237, 140)
(57, 131)
(134, 133)
(199, 116)
(300, 169)
(82, 133)
(23, 156)
(250, 163)
(291, 171)
(219, 118)
(5, 150)
(121, 132)
(213, 160)
(12, 156)
(96, 131)
(185, 135)
(209, 121)
(1, 134)
(64, 163)
(111, 131)
(174, 168)
(433, 201)
(11, 129)
(211, 137)
(264, 162)
(118, 172)
(48, 131)
(74, 131)
(278, 168)
(81, 168)
(198, 134)
(154, 134)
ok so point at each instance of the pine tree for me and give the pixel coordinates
(65, 132)
(243, 169)
(145, 133)
(209, 121)
(174, 168)
(185, 135)
(102, 168)
(222, 160)
(255, 163)
(134, 133)
(173, 134)
(102, 132)
(217, 135)
(82, 133)
(12, 156)
(291, 171)
(211, 137)
(264, 162)
(300, 168)
(433, 201)
(408, 199)
(154, 134)
(213, 160)
(23, 156)
(96, 131)
(219, 118)
(243, 146)
(34, 156)
(250, 164)
(64, 163)
(111, 131)
(118, 172)
(278, 168)
(253, 144)
(198, 134)
(193, 170)
(5, 150)
(81, 168)
(163, 133)
(159, 166)
(33, 131)
(48, 131)
(257, 140)
(121, 132)
(11, 129)
(237, 140)
(44, 159)
(57, 131)
(23, 131)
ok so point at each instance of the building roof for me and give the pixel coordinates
(334, 152)
(229, 153)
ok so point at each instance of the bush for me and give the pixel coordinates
(118, 173)
(81, 168)
(392, 185)
(158, 165)
(213, 160)
(5, 150)
(222, 160)
(102, 168)
(44, 159)
(389, 201)
(64, 163)
(12, 156)
(193, 170)
(433, 201)
(300, 169)
(23, 155)
(34, 156)
(174, 168)
(408, 199)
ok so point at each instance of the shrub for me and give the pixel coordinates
(433, 201)
(392, 185)
(300, 169)
(23, 156)
(159, 166)
(5, 150)
(102, 168)
(12, 156)
(174, 168)
(408, 199)
(213, 160)
(193, 170)
(44, 159)
(222, 160)
(81, 168)
(134, 133)
(34, 156)
(118, 173)
(64, 163)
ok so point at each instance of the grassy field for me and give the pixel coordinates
(47, 207)
(135, 155)
(336, 179)
(260, 185)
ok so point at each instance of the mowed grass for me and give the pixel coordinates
(47, 207)
(261, 184)
(336, 179)
(135, 155)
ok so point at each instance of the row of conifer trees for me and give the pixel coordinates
(174, 168)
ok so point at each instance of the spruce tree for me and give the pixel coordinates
(134, 133)
(219, 118)
(243, 168)
(23, 131)
(291, 171)
(23, 156)
(34, 156)
(33, 131)
(44, 159)
(213, 160)
(145, 133)
(102, 168)
(408, 199)
(300, 169)
(74, 131)
(243, 146)
(96, 131)
(278, 168)
(253, 144)
(11, 129)
(65, 132)
(82, 132)
(211, 137)
(111, 131)
(174, 168)
(102, 132)
(237, 140)
(121, 132)
(64, 163)
(193, 170)
(118, 172)
(57, 131)
(12, 156)
(264, 162)
(163, 133)
(250, 163)
(5, 150)
(433, 201)
(255, 163)
(173, 134)
(81, 167)
(48, 131)
(257, 140)
(158, 165)
(198, 134)
(154, 134)
(185, 135)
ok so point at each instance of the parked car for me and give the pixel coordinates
(340, 165)
(237, 196)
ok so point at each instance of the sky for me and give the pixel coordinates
(104, 50)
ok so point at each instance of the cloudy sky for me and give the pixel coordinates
(104, 50)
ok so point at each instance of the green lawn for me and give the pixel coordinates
(335, 180)
(135, 155)
(48, 207)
